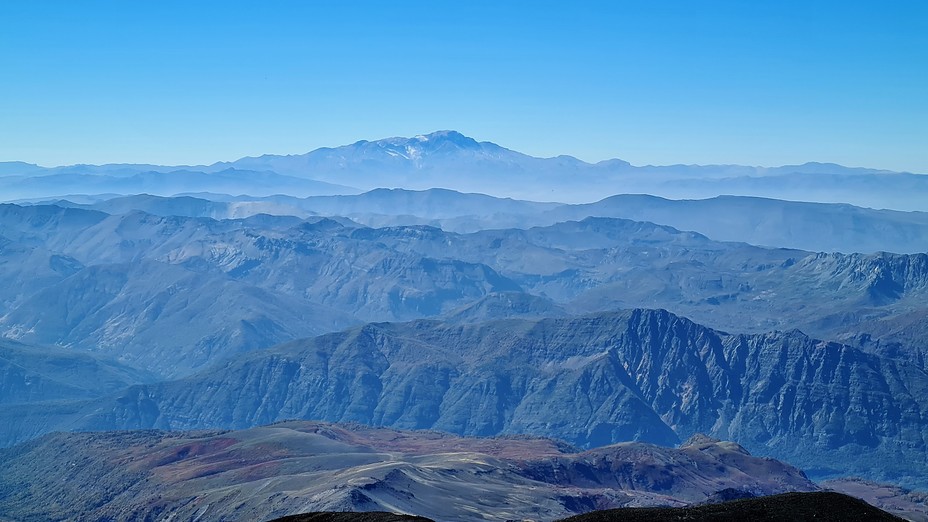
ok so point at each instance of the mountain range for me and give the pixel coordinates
(758, 221)
(636, 332)
(448, 159)
(642, 375)
(138, 287)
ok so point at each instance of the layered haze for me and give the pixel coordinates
(448, 159)
(456, 288)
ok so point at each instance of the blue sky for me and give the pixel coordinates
(650, 81)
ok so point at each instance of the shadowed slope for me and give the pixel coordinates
(824, 506)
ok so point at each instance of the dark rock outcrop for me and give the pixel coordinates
(824, 506)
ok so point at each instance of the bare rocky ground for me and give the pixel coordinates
(297, 467)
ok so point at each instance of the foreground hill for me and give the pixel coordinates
(292, 467)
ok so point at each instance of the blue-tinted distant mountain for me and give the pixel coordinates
(875, 189)
(444, 159)
(451, 160)
(431, 204)
(770, 222)
(191, 206)
(37, 224)
(448, 159)
(758, 221)
(18, 168)
(389, 156)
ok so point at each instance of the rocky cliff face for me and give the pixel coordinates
(640, 375)
(881, 277)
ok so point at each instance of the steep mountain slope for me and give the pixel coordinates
(34, 225)
(25, 268)
(45, 388)
(639, 375)
(30, 374)
(163, 317)
(899, 336)
(293, 467)
(318, 260)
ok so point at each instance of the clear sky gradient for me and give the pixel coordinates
(649, 81)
